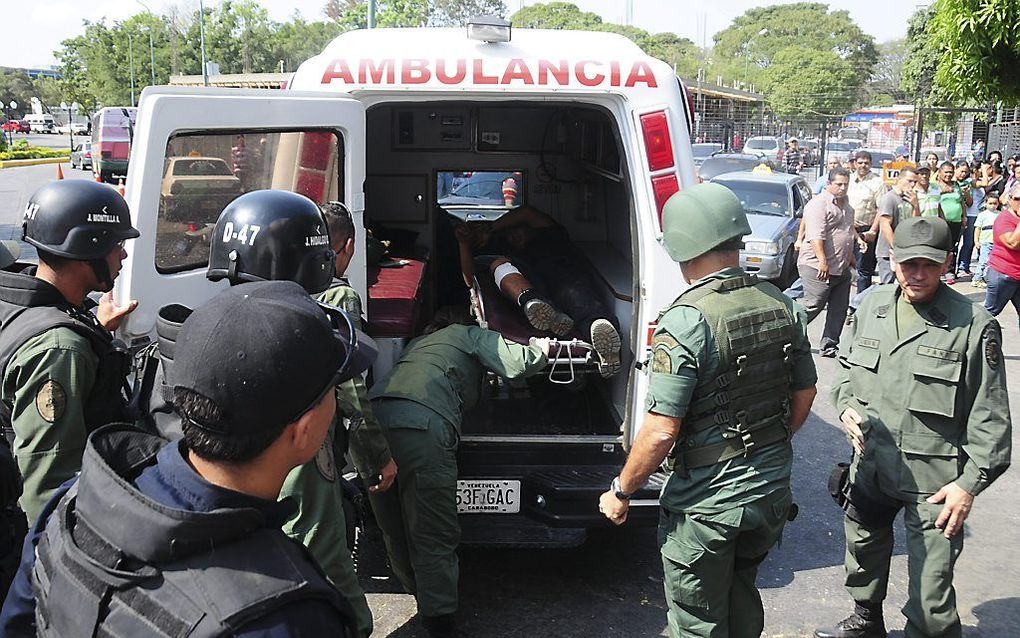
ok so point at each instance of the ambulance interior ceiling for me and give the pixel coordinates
(565, 160)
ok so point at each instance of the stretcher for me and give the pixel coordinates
(395, 292)
(569, 357)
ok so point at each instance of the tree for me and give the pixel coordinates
(353, 14)
(887, 75)
(810, 82)
(980, 50)
(922, 58)
(748, 46)
(297, 40)
(16, 86)
(678, 52)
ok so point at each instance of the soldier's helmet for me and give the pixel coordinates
(268, 235)
(701, 218)
(77, 219)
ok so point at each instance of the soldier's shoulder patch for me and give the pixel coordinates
(661, 361)
(664, 340)
(992, 338)
(51, 401)
(324, 461)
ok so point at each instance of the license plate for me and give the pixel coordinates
(488, 497)
(754, 260)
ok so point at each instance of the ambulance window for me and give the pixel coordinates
(467, 191)
(203, 172)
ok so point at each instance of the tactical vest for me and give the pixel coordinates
(85, 586)
(152, 398)
(106, 403)
(748, 401)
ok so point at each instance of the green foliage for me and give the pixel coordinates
(353, 14)
(16, 86)
(810, 82)
(922, 58)
(21, 150)
(669, 47)
(749, 45)
(979, 45)
(884, 86)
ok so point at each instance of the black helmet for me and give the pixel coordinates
(77, 219)
(272, 235)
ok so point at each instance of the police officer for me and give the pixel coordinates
(731, 380)
(276, 234)
(161, 536)
(63, 375)
(420, 406)
(921, 392)
(12, 519)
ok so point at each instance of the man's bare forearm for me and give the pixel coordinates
(654, 441)
(800, 407)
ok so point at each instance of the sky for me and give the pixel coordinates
(43, 24)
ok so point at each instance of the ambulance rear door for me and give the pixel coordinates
(197, 149)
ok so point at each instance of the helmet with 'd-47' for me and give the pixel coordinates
(78, 219)
(269, 235)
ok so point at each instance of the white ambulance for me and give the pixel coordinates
(418, 130)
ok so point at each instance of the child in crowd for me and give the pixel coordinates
(983, 237)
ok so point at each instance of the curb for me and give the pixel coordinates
(34, 162)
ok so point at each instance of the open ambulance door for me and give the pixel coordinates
(197, 149)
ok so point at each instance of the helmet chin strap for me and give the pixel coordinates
(102, 272)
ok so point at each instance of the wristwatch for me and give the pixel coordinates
(618, 491)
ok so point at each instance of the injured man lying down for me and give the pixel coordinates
(535, 265)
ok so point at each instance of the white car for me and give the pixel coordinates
(74, 128)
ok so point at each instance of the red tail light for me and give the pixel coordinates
(192, 227)
(663, 186)
(658, 146)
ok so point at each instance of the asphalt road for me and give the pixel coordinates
(49, 140)
(611, 587)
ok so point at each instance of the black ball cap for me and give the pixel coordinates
(264, 353)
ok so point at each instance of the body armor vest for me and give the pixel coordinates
(28, 308)
(196, 586)
(749, 398)
(152, 398)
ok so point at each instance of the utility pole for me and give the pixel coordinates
(131, 65)
(201, 37)
(371, 14)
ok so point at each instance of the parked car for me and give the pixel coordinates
(720, 163)
(768, 145)
(16, 126)
(840, 149)
(703, 150)
(774, 204)
(74, 128)
(197, 189)
(809, 148)
(81, 156)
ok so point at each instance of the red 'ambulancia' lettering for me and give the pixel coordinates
(517, 70)
(415, 72)
(338, 69)
(560, 71)
(614, 73)
(480, 77)
(641, 72)
(369, 72)
(582, 76)
(458, 75)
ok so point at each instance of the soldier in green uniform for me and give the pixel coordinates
(731, 380)
(63, 375)
(293, 243)
(369, 450)
(420, 405)
(922, 395)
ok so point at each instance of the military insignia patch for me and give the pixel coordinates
(51, 401)
(993, 345)
(661, 361)
(665, 340)
(324, 461)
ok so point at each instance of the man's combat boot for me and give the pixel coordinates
(865, 622)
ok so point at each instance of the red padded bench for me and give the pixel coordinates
(394, 298)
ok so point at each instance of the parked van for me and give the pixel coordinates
(583, 126)
(41, 122)
(112, 133)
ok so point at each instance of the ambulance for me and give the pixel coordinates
(418, 131)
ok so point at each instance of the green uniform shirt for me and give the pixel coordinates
(444, 370)
(47, 382)
(368, 446)
(694, 360)
(933, 399)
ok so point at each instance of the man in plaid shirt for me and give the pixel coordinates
(793, 161)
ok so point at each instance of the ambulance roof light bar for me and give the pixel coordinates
(488, 29)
